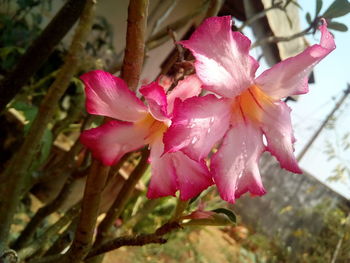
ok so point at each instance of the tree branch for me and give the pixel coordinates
(123, 196)
(139, 240)
(17, 170)
(40, 50)
(95, 184)
(135, 43)
(42, 213)
(42, 242)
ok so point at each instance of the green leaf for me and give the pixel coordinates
(319, 4)
(308, 18)
(337, 9)
(214, 220)
(228, 213)
(337, 26)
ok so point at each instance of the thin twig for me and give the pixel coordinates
(252, 19)
(123, 196)
(42, 242)
(160, 20)
(17, 171)
(42, 213)
(162, 36)
(74, 112)
(275, 39)
(64, 240)
(139, 240)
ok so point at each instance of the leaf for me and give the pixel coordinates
(221, 217)
(337, 26)
(308, 18)
(228, 213)
(319, 4)
(337, 9)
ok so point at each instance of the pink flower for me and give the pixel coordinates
(138, 125)
(249, 107)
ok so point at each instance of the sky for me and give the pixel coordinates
(331, 77)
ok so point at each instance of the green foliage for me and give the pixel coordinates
(228, 213)
(308, 18)
(337, 9)
(337, 26)
(319, 4)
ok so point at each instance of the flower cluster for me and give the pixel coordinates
(182, 128)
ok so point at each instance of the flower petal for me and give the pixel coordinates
(235, 164)
(109, 142)
(108, 95)
(277, 127)
(290, 76)
(189, 87)
(157, 101)
(222, 57)
(175, 171)
(163, 179)
(197, 124)
(192, 177)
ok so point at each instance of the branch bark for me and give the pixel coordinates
(118, 206)
(135, 42)
(139, 240)
(95, 184)
(16, 174)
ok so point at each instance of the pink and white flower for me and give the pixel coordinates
(134, 125)
(248, 108)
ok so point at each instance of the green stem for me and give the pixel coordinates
(16, 173)
(180, 208)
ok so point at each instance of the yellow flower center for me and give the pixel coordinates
(154, 127)
(251, 104)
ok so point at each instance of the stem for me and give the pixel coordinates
(42, 213)
(180, 208)
(42, 242)
(261, 14)
(95, 184)
(161, 19)
(147, 208)
(118, 206)
(64, 240)
(275, 39)
(135, 42)
(73, 114)
(17, 172)
(40, 50)
(139, 240)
